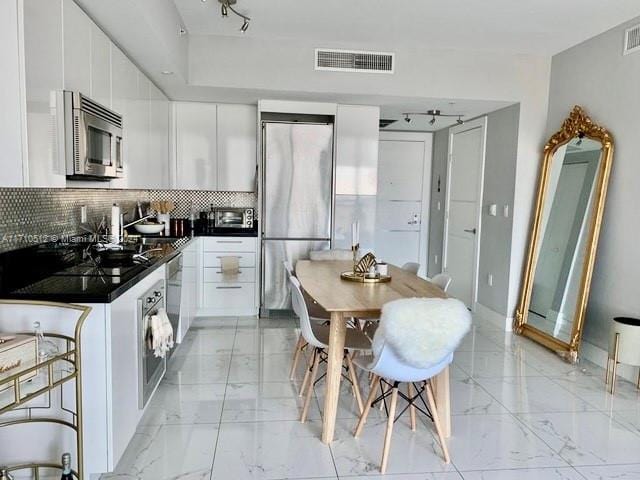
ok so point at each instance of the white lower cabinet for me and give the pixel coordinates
(227, 294)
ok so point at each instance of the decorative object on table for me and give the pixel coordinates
(365, 263)
(624, 347)
(382, 269)
(59, 368)
(364, 271)
(163, 209)
(16, 352)
(557, 320)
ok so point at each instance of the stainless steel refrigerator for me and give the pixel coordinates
(297, 201)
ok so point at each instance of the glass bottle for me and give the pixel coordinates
(66, 467)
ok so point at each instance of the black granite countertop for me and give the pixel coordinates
(58, 272)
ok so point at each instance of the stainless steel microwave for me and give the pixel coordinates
(92, 138)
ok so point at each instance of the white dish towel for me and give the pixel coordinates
(161, 333)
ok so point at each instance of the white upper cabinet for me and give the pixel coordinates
(124, 81)
(237, 137)
(136, 130)
(77, 48)
(158, 173)
(43, 78)
(100, 67)
(196, 150)
(357, 130)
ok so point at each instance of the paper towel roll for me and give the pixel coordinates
(114, 232)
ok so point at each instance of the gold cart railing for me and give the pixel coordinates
(51, 373)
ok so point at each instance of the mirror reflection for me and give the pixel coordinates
(564, 230)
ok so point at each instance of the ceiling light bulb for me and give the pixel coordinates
(244, 26)
(224, 10)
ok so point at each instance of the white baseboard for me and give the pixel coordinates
(597, 355)
(494, 318)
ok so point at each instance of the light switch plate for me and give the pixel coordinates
(490, 280)
(505, 211)
(493, 209)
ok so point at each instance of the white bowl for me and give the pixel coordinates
(149, 228)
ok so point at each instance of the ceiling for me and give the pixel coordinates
(532, 26)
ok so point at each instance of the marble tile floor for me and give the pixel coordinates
(227, 410)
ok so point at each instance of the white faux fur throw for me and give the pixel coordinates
(421, 331)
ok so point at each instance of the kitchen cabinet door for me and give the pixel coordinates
(43, 56)
(124, 81)
(77, 48)
(158, 170)
(100, 66)
(237, 138)
(196, 153)
(140, 167)
(357, 131)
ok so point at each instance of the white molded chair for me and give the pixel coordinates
(389, 368)
(412, 267)
(318, 337)
(442, 280)
(318, 315)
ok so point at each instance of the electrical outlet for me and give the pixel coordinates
(493, 209)
(435, 259)
(490, 280)
(438, 205)
(83, 214)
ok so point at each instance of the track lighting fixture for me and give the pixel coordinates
(434, 114)
(227, 5)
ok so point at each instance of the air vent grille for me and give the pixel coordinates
(354, 61)
(94, 108)
(76, 144)
(632, 40)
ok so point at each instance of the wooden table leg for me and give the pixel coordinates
(443, 400)
(337, 333)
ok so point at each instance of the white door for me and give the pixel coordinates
(465, 174)
(404, 176)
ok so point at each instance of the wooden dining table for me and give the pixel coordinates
(345, 299)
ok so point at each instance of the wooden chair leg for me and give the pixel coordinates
(389, 431)
(307, 398)
(354, 381)
(296, 356)
(305, 380)
(412, 409)
(373, 388)
(436, 422)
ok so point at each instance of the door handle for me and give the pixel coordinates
(472, 230)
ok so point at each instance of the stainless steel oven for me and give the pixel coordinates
(151, 369)
(92, 139)
(234, 218)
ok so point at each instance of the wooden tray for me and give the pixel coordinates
(359, 277)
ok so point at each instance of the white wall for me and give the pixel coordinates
(598, 77)
(278, 65)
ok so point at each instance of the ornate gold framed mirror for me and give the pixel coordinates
(564, 234)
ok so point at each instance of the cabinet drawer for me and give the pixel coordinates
(212, 259)
(231, 296)
(246, 275)
(229, 244)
